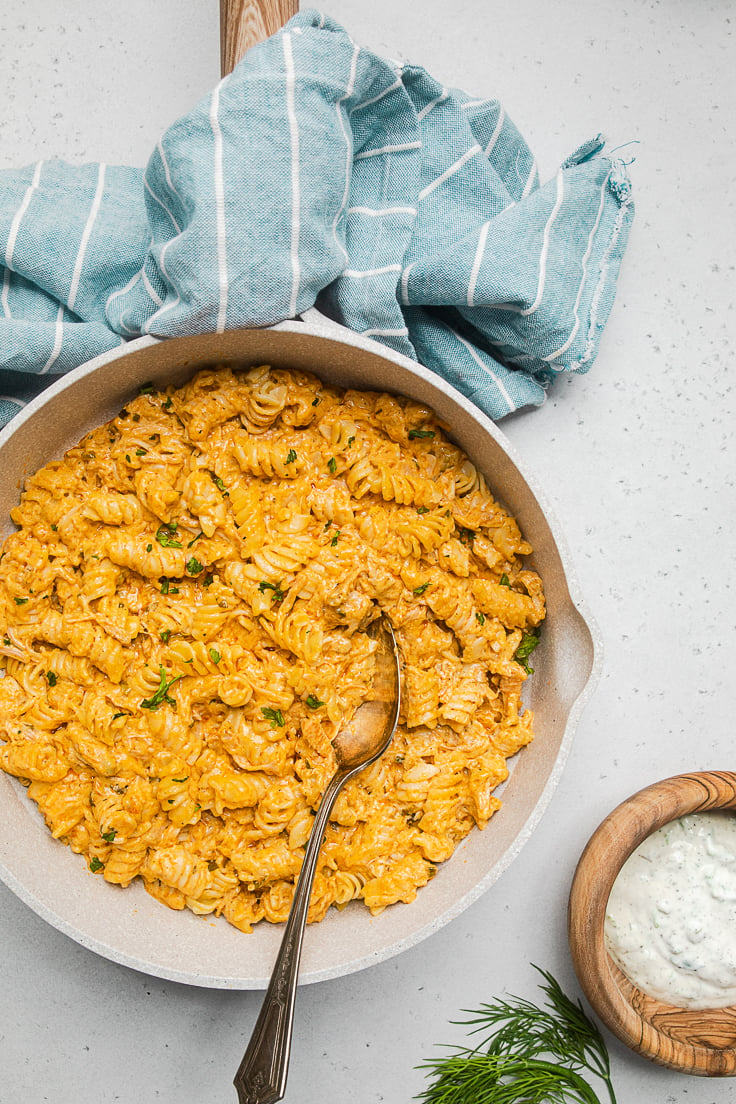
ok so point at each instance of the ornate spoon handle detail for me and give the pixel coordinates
(261, 1077)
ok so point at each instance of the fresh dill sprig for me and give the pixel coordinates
(529, 1053)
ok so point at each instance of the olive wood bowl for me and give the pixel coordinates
(698, 1042)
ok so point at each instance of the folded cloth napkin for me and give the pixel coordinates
(319, 173)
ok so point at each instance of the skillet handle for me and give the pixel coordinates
(245, 22)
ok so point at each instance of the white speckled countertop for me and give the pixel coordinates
(638, 458)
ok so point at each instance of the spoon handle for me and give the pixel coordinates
(261, 1076)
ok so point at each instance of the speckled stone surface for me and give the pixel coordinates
(638, 458)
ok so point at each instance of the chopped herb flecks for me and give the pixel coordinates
(166, 536)
(275, 716)
(162, 694)
(528, 643)
(277, 594)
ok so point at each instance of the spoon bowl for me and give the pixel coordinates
(261, 1077)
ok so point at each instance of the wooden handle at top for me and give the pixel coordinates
(243, 23)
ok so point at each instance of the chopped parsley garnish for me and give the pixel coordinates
(219, 484)
(480, 617)
(315, 402)
(145, 389)
(162, 694)
(20, 601)
(277, 594)
(350, 442)
(313, 702)
(275, 716)
(164, 636)
(116, 715)
(466, 536)
(418, 591)
(418, 434)
(110, 836)
(199, 534)
(149, 548)
(529, 641)
(291, 456)
(194, 567)
(166, 587)
(422, 509)
(52, 679)
(208, 580)
(96, 865)
(335, 539)
(166, 536)
(504, 580)
(166, 405)
(141, 452)
(214, 655)
(181, 780)
(332, 465)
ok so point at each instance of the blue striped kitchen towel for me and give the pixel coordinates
(319, 173)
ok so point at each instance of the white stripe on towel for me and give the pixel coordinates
(433, 103)
(379, 212)
(4, 296)
(496, 132)
(530, 181)
(121, 291)
(586, 257)
(375, 99)
(167, 173)
(397, 148)
(219, 183)
(489, 371)
(150, 288)
(167, 306)
(161, 203)
(402, 332)
(295, 185)
(477, 261)
(86, 234)
(449, 172)
(18, 217)
(475, 103)
(359, 274)
(545, 247)
(405, 283)
(348, 148)
(58, 339)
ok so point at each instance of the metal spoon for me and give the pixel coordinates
(261, 1078)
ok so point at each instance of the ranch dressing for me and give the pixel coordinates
(671, 916)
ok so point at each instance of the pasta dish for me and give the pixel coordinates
(182, 622)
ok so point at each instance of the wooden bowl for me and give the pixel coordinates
(698, 1042)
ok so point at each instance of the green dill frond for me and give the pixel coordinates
(528, 1053)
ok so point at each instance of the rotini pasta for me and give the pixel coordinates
(182, 633)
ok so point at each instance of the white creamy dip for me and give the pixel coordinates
(671, 916)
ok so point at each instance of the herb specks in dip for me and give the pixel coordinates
(671, 916)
